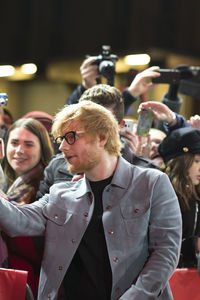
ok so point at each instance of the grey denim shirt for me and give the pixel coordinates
(142, 225)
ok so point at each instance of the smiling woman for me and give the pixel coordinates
(27, 146)
(28, 150)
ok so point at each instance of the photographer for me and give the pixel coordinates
(90, 75)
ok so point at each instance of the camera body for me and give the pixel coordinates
(170, 76)
(184, 79)
(106, 64)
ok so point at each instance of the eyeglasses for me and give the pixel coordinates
(70, 137)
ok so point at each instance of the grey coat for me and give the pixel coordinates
(142, 225)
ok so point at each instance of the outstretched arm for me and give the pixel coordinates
(139, 86)
(163, 113)
(142, 83)
(25, 220)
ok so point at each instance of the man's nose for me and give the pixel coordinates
(64, 146)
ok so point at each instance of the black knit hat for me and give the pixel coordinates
(180, 141)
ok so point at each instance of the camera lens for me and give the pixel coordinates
(106, 68)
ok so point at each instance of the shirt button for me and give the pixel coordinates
(136, 210)
(115, 259)
(85, 214)
(60, 268)
(110, 231)
(108, 207)
(73, 241)
(55, 216)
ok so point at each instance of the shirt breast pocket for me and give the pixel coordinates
(57, 219)
(136, 219)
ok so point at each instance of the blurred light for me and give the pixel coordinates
(6, 70)
(137, 59)
(29, 68)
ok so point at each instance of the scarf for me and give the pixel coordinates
(24, 188)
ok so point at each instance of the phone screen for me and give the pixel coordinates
(145, 121)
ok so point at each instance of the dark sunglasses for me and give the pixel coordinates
(70, 137)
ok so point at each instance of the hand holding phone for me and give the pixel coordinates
(145, 121)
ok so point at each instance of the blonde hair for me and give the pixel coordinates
(158, 133)
(95, 120)
(107, 96)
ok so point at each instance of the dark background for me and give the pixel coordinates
(42, 31)
(57, 34)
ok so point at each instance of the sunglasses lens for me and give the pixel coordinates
(70, 137)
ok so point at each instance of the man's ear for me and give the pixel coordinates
(103, 139)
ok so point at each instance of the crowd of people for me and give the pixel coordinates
(80, 194)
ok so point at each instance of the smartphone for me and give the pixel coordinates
(145, 121)
(128, 125)
(170, 76)
(1, 148)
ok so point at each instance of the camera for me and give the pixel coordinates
(170, 76)
(106, 64)
(190, 85)
(184, 78)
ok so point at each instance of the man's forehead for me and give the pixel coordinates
(71, 126)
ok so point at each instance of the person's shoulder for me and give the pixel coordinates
(147, 174)
(144, 162)
(58, 156)
(57, 159)
(142, 166)
(146, 167)
(65, 186)
(129, 174)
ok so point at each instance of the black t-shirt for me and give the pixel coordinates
(89, 274)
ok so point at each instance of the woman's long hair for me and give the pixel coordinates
(177, 170)
(36, 128)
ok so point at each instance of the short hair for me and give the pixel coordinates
(107, 96)
(38, 130)
(95, 120)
